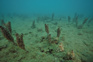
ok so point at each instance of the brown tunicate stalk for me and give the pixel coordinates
(90, 21)
(2, 22)
(6, 34)
(76, 20)
(85, 20)
(73, 20)
(58, 32)
(69, 19)
(33, 25)
(19, 40)
(46, 28)
(49, 38)
(52, 16)
(8, 26)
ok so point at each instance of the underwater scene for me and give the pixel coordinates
(46, 30)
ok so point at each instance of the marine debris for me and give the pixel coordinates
(80, 26)
(19, 40)
(7, 34)
(33, 25)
